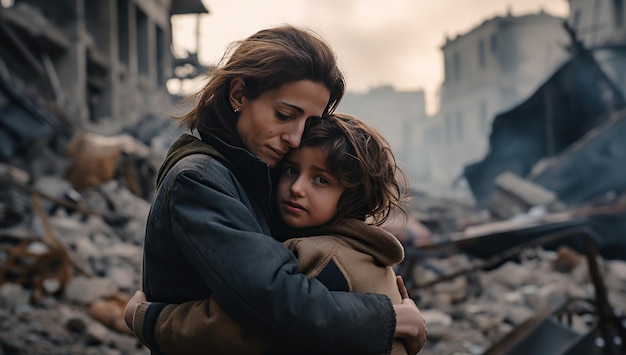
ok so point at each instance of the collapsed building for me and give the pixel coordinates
(83, 103)
(560, 151)
(553, 186)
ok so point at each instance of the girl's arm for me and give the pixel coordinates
(203, 325)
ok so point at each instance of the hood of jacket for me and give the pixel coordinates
(369, 239)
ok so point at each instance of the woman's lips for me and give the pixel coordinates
(277, 152)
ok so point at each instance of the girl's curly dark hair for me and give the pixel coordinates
(362, 159)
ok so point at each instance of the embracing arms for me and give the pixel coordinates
(195, 326)
(253, 277)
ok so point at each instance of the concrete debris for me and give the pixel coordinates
(70, 256)
(96, 159)
(34, 264)
(514, 196)
(512, 294)
(110, 312)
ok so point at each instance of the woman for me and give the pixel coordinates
(208, 232)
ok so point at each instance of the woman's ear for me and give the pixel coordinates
(236, 93)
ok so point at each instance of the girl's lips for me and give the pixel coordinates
(292, 206)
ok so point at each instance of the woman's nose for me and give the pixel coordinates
(294, 134)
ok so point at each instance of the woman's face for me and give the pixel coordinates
(272, 124)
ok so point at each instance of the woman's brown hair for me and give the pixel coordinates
(264, 61)
(362, 159)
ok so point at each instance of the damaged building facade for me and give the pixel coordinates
(83, 92)
(84, 63)
(397, 114)
(565, 138)
(486, 70)
(601, 27)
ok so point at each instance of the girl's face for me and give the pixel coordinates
(272, 124)
(307, 192)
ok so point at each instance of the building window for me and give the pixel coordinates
(433, 136)
(481, 54)
(456, 60)
(618, 7)
(484, 117)
(493, 43)
(161, 46)
(448, 127)
(459, 126)
(143, 62)
(576, 19)
(123, 21)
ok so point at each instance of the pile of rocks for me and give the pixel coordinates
(468, 314)
(82, 317)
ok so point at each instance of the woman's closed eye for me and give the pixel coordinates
(283, 116)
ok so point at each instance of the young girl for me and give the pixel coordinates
(339, 186)
(333, 193)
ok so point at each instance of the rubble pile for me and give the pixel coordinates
(65, 278)
(469, 313)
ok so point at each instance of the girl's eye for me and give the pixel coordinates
(291, 170)
(281, 116)
(322, 180)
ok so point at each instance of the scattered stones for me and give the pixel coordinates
(84, 290)
(512, 293)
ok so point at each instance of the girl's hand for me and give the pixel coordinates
(410, 325)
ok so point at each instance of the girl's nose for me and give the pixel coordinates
(297, 187)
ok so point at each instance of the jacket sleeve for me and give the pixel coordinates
(193, 328)
(256, 279)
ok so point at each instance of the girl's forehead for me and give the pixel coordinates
(308, 156)
(309, 152)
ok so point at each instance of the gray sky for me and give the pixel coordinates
(390, 42)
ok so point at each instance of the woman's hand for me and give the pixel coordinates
(410, 325)
(131, 306)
